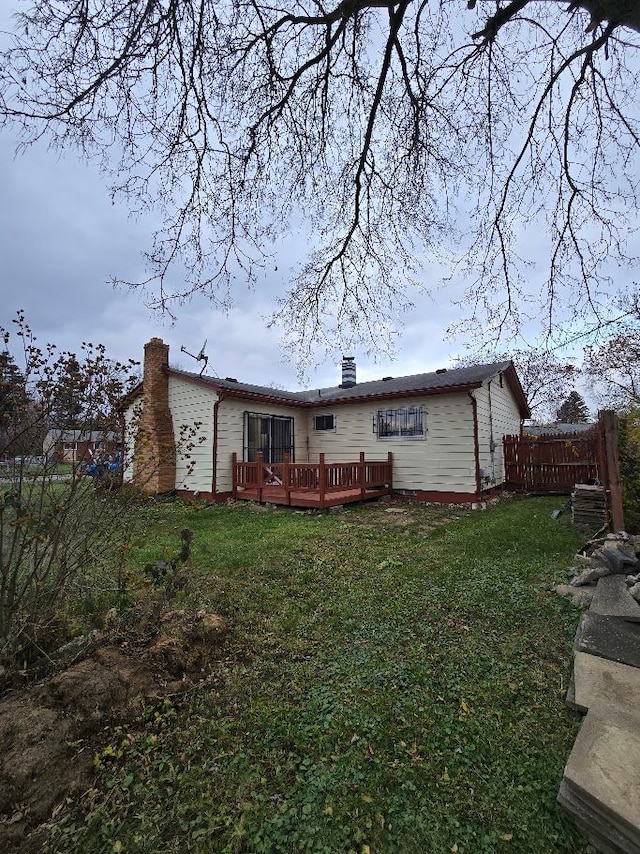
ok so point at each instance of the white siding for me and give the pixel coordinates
(443, 461)
(498, 415)
(231, 433)
(131, 421)
(192, 413)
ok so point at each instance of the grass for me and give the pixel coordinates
(393, 682)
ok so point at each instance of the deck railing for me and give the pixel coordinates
(322, 478)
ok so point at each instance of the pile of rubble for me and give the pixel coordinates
(613, 556)
(601, 784)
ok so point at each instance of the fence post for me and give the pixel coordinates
(362, 474)
(609, 426)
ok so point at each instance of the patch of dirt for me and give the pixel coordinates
(49, 730)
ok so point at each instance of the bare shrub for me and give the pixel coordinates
(64, 519)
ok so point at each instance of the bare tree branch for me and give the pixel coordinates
(380, 131)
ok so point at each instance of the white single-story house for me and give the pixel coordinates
(441, 432)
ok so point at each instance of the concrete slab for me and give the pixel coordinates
(603, 770)
(602, 835)
(613, 599)
(598, 682)
(609, 637)
(570, 697)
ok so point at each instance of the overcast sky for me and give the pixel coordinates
(62, 239)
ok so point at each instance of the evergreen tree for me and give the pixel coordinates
(12, 393)
(574, 410)
(66, 393)
(16, 409)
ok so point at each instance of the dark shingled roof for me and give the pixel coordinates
(245, 389)
(416, 383)
(436, 382)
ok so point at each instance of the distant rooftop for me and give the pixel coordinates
(558, 428)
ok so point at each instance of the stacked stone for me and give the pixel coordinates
(601, 784)
(588, 506)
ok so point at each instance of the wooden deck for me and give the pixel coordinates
(318, 485)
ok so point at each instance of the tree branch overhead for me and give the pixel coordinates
(383, 126)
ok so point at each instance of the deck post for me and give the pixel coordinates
(322, 479)
(260, 478)
(362, 474)
(285, 477)
(390, 463)
(234, 475)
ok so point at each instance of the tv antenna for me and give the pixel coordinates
(201, 357)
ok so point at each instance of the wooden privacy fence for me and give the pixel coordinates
(550, 463)
(556, 463)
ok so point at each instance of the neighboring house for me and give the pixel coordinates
(444, 429)
(75, 446)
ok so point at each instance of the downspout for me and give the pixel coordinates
(214, 468)
(492, 444)
(476, 444)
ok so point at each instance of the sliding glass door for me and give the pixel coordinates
(270, 434)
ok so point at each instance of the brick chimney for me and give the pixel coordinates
(154, 466)
(348, 372)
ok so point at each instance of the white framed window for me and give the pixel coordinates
(407, 422)
(324, 422)
(70, 446)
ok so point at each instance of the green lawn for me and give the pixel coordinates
(393, 682)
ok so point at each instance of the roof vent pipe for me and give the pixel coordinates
(348, 372)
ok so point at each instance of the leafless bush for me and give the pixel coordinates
(59, 526)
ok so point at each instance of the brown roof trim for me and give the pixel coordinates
(389, 395)
(265, 398)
